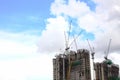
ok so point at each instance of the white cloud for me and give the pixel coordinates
(20, 60)
(71, 8)
(26, 68)
(108, 15)
(104, 23)
(89, 22)
(52, 38)
(15, 44)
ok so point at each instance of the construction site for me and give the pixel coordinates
(76, 65)
(106, 72)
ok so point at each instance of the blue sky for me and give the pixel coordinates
(32, 32)
(22, 25)
(23, 15)
(21, 22)
(17, 16)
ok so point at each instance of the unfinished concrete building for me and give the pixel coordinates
(58, 67)
(72, 66)
(106, 72)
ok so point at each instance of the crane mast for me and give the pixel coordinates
(67, 37)
(92, 55)
(66, 51)
(108, 49)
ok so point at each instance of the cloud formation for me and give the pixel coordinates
(52, 38)
(26, 69)
(103, 22)
(19, 58)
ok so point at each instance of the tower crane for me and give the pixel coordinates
(92, 55)
(108, 61)
(92, 50)
(107, 52)
(67, 52)
(70, 63)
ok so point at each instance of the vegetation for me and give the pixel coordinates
(114, 78)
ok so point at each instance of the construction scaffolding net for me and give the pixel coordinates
(75, 63)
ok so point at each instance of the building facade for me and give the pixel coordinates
(72, 66)
(104, 71)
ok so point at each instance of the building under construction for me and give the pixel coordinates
(72, 66)
(106, 70)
